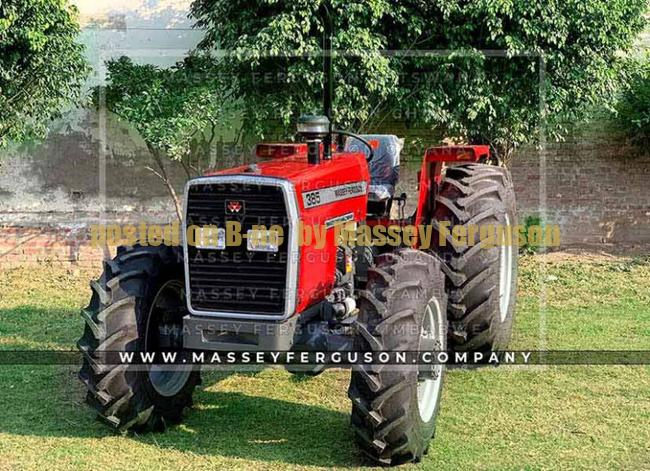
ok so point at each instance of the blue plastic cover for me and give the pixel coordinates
(384, 167)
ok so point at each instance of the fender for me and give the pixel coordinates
(430, 174)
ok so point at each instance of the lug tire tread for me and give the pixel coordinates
(114, 322)
(475, 194)
(382, 420)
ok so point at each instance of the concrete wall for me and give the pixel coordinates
(57, 182)
(149, 31)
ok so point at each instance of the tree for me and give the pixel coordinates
(42, 68)
(274, 64)
(482, 85)
(633, 107)
(176, 110)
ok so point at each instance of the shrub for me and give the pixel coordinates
(633, 108)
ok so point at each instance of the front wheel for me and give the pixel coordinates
(137, 306)
(394, 407)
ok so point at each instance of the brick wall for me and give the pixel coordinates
(597, 188)
(23, 245)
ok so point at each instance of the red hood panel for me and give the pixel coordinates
(345, 167)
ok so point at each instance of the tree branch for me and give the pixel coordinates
(186, 168)
(165, 178)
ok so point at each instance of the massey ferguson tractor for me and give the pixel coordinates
(309, 297)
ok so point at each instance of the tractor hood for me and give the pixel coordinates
(344, 168)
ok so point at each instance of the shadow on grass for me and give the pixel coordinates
(264, 429)
(48, 401)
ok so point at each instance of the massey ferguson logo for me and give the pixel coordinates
(234, 207)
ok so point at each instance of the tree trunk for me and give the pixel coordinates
(164, 176)
(504, 154)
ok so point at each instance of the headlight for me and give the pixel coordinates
(210, 238)
(263, 240)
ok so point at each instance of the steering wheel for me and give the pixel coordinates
(371, 155)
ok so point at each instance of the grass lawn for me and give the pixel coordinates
(578, 417)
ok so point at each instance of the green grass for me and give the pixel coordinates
(579, 417)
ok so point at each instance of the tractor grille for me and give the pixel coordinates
(235, 279)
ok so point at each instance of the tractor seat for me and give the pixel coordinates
(384, 167)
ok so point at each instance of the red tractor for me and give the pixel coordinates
(313, 297)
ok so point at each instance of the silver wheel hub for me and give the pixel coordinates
(167, 380)
(505, 275)
(430, 376)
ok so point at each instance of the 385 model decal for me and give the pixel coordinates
(314, 198)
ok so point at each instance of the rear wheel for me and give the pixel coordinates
(137, 305)
(481, 280)
(394, 408)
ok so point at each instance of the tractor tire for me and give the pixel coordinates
(140, 290)
(394, 407)
(481, 281)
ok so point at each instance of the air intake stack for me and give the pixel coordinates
(315, 130)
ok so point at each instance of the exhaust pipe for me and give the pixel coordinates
(328, 77)
(317, 130)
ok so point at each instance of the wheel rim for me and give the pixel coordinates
(167, 304)
(505, 274)
(430, 379)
